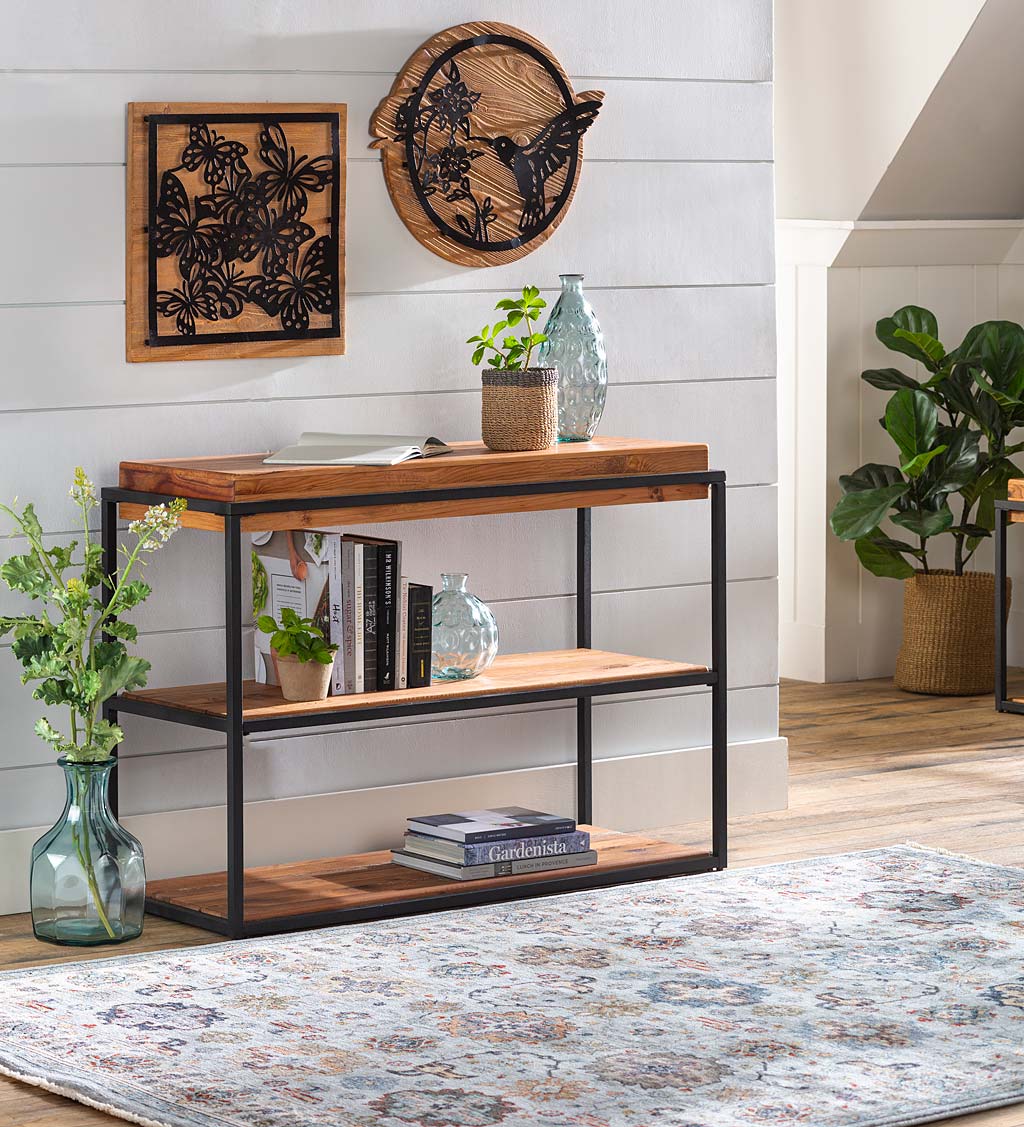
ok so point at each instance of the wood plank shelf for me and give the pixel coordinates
(555, 672)
(371, 880)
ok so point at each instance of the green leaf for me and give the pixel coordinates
(514, 319)
(478, 355)
(882, 560)
(106, 736)
(997, 347)
(926, 343)
(126, 673)
(506, 303)
(870, 476)
(888, 379)
(916, 466)
(925, 523)
(30, 523)
(45, 731)
(958, 465)
(132, 594)
(911, 319)
(26, 574)
(858, 514)
(912, 422)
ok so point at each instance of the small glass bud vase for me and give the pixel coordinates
(88, 877)
(575, 346)
(465, 635)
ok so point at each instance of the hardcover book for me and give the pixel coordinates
(371, 627)
(420, 643)
(499, 869)
(389, 563)
(498, 824)
(490, 852)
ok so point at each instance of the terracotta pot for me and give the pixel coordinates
(303, 680)
(948, 644)
(519, 409)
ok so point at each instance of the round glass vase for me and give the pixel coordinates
(465, 635)
(88, 876)
(575, 346)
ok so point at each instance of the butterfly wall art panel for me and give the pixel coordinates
(481, 139)
(235, 230)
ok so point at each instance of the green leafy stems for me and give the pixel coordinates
(297, 636)
(75, 647)
(512, 353)
(952, 432)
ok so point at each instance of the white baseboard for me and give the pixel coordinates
(633, 792)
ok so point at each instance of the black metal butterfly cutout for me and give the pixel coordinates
(290, 176)
(191, 230)
(214, 154)
(308, 287)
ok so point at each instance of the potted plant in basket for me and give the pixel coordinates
(304, 658)
(520, 404)
(952, 431)
(87, 880)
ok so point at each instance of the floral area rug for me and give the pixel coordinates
(874, 988)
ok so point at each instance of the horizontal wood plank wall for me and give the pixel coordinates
(672, 227)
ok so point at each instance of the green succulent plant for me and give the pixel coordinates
(511, 352)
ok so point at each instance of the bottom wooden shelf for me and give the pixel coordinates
(364, 880)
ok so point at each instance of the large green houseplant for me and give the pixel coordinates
(952, 430)
(87, 877)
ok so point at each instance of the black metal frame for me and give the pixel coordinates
(235, 727)
(1003, 510)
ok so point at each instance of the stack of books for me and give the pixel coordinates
(353, 589)
(493, 843)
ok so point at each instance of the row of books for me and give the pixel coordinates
(502, 841)
(353, 589)
(379, 620)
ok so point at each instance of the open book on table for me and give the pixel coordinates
(315, 448)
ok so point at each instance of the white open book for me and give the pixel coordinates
(316, 448)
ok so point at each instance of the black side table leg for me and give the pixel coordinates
(1000, 608)
(584, 719)
(108, 563)
(719, 689)
(233, 687)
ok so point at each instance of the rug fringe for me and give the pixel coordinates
(958, 856)
(70, 1093)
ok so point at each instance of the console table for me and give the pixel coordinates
(237, 495)
(1010, 511)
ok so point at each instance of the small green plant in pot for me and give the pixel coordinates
(952, 432)
(303, 656)
(87, 876)
(520, 403)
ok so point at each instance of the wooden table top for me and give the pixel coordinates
(244, 477)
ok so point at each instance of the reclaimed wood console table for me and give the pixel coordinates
(237, 495)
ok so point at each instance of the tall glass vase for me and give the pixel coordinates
(88, 877)
(575, 346)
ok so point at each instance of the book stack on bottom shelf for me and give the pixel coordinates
(505, 841)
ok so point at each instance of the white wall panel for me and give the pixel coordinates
(671, 225)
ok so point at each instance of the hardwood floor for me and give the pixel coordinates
(869, 766)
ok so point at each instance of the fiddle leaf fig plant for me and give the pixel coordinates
(951, 431)
(297, 636)
(511, 353)
(75, 648)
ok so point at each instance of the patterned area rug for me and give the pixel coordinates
(870, 989)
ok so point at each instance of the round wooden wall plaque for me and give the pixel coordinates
(481, 138)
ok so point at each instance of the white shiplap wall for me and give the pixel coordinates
(671, 225)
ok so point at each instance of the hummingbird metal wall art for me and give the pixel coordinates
(481, 139)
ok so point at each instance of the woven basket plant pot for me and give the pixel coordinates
(519, 409)
(948, 633)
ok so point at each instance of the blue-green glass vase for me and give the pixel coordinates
(88, 876)
(465, 634)
(575, 346)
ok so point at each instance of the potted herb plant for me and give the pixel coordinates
(87, 879)
(952, 431)
(304, 658)
(520, 404)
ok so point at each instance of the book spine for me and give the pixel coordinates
(387, 616)
(371, 621)
(550, 845)
(507, 833)
(420, 634)
(336, 597)
(544, 864)
(403, 634)
(348, 611)
(358, 618)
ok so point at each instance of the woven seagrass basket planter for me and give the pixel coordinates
(519, 409)
(948, 644)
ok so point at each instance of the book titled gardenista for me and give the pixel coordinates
(498, 869)
(491, 852)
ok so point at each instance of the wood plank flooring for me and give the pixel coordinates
(869, 766)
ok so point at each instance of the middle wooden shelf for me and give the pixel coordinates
(513, 678)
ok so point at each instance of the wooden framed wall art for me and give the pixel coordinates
(235, 230)
(481, 139)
